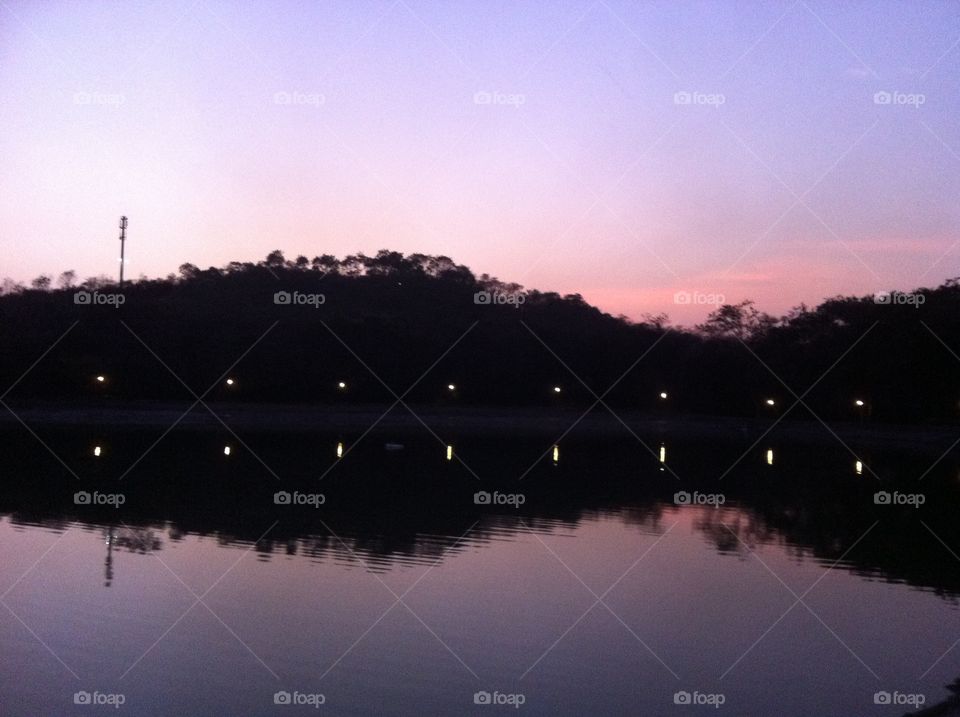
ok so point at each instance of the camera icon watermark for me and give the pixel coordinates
(102, 99)
(297, 298)
(96, 498)
(696, 498)
(709, 99)
(99, 699)
(485, 97)
(98, 298)
(302, 699)
(914, 500)
(310, 99)
(500, 298)
(297, 498)
(899, 98)
(883, 697)
(900, 298)
(502, 699)
(712, 699)
(496, 498)
(698, 298)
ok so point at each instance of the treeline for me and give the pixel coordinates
(378, 323)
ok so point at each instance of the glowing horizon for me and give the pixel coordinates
(783, 153)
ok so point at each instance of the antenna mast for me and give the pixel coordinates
(123, 239)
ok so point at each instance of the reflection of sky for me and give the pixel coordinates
(597, 183)
(498, 604)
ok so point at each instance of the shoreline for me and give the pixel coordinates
(475, 421)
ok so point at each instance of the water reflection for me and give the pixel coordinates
(388, 506)
(404, 514)
(134, 540)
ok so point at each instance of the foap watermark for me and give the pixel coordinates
(698, 298)
(500, 298)
(309, 99)
(298, 298)
(502, 699)
(485, 97)
(297, 498)
(697, 498)
(103, 99)
(899, 698)
(711, 99)
(900, 298)
(899, 98)
(302, 699)
(883, 497)
(99, 699)
(99, 298)
(713, 699)
(497, 498)
(97, 498)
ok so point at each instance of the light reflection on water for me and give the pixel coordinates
(692, 597)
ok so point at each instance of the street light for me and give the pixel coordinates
(858, 403)
(341, 385)
(556, 389)
(101, 379)
(663, 395)
(771, 402)
(451, 387)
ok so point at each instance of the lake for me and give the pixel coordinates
(210, 574)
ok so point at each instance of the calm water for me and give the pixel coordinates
(401, 595)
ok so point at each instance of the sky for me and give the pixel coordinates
(652, 157)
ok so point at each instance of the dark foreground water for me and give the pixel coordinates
(603, 578)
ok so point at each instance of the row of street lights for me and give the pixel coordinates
(452, 387)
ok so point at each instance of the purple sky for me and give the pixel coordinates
(578, 167)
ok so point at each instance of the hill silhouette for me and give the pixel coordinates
(393, 325)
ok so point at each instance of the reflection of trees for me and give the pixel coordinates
(415, 521)
(897, 548)
(945, 708)
(134, 540)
